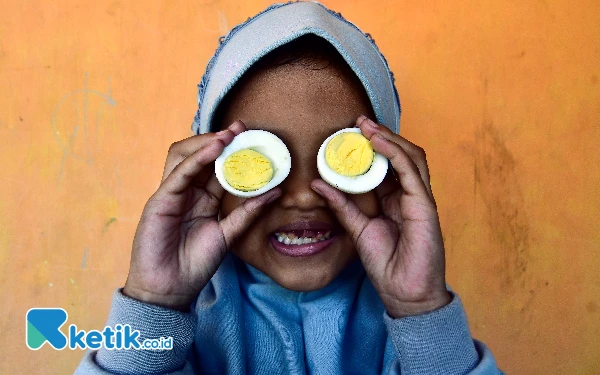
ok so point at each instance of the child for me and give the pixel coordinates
(205, 268)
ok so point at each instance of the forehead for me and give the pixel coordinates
(293, 100)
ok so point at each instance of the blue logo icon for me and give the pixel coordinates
(43, 325)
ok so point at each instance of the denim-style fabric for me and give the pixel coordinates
(280, 24)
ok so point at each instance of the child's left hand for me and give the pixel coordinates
(402, 249)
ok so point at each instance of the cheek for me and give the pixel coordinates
(367, 203)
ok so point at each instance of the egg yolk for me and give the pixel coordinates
(247, 170)
(349, 154)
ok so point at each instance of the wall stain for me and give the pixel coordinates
(85, 256)
(496, 183)
(499, 209)
(519, 55)
(109, 222)
(113, 8)
(77, 116)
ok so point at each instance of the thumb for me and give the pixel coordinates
(242, 216)
(349, 215)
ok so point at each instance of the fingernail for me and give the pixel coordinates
(372, 124)
(360, 119)
(316, 189)
(222, 132)
(235, 122)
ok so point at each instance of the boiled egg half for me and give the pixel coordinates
(347, 161)
(253, 163)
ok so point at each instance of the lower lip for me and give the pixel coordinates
(303, 250)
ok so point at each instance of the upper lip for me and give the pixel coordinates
(305, 225)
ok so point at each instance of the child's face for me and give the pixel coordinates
(302, 107)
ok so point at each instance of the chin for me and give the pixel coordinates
(305, 275)
(304, 282)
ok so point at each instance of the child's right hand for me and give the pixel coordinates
(179, 242)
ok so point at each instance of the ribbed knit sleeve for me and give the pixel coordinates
(439, 342)
(153, 322)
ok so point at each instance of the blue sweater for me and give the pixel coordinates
(245, 323)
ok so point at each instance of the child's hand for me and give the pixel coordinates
(402, 250)
(179, 244)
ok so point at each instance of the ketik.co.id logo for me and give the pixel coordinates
(43, 325)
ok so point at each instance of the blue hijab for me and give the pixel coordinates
(279, 24)
(247, 323)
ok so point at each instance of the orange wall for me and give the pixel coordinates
(503, 95)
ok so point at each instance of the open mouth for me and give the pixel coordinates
(302, 238)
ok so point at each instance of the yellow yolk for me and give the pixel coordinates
(349, 154)
(247, 170)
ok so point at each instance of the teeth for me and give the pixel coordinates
(292, 239)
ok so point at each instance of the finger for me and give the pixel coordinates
(186, 147)
(389, 185)
(242, 216)
(237, 127)
(213, 186)
(185, 172)
(348, 214)
(407, 171)
(189, 145)
(368, 128)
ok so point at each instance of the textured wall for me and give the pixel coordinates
(503, 95)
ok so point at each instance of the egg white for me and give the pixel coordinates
(265, 143)
(357, 184)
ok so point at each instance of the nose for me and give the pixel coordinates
(296, 190)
